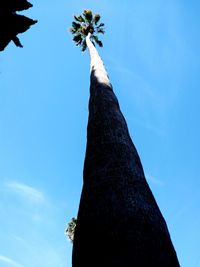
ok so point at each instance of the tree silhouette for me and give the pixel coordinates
(119, 223)
(11, 23)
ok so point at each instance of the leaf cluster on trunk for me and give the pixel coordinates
(69, 231)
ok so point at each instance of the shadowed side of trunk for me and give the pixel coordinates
(119, 223)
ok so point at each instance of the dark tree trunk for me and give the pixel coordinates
(119, 223)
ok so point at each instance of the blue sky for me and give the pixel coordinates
(151, 51)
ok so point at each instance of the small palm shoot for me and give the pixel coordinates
(85, 24)
(69, 231)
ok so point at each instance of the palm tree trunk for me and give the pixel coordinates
(119, 223)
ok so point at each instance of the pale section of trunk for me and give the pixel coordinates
(96, 63)
(119, 223)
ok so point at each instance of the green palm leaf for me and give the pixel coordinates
(84, 46)
(72, 30)
(79, 18)
(78, 39)
(88, 15)
(84, 24)
(96, 18)
(101, 30)
(75, 25)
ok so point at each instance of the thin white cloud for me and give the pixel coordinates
(10, 262)
(37, 217)
(28, 192)
(152, 180)
(18, 238)
(149, 127)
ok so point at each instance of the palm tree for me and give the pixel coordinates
(119, 223)
(11, 23)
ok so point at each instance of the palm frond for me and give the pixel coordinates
(99, 30)
(78, 39)
(101, 25)
(96, 18)
(95, 38)
(79, 18)
(84, 31)
(99, 43)
(84, 24)
(88, 15)
(84, 46)
(76, 26)
(72, 30)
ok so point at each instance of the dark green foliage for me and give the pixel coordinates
(79, 18)
(88, 15)
(76, 26)
(72, 30)
(11, 23)
(69, 231)
(84, 24)
(96, 40)
(99, 43)
(96, 18)
(84, 46)
(101, 25)
(77, 38)
(100, 31)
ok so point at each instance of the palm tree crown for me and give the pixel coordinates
(85, 24)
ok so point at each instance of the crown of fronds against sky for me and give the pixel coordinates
(84, 24)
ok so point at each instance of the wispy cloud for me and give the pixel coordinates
(28, 192)
(10, 262)
(158, 130)
(152, 180)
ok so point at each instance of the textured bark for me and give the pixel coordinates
(119, 223)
